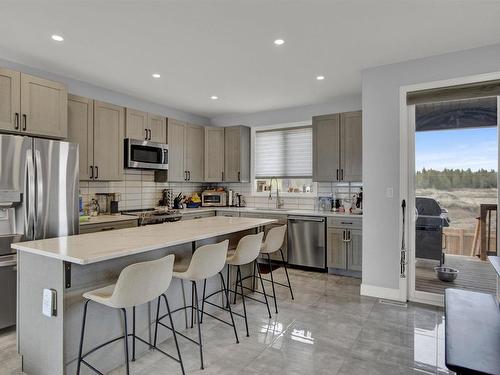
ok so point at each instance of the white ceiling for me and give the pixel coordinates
(225, 47)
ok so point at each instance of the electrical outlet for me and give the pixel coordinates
(49, 303)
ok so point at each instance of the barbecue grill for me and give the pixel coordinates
(431, 219)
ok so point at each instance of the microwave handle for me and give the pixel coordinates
(165, 157)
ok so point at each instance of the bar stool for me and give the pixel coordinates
(137, 284)
(207, 261)
(246, 252)
(273, 242)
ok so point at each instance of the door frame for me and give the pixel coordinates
(407, 173)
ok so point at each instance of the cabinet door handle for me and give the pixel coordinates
(239, 176)
(337, 174)
(91, 172)
(25, 121)
(342, 175)
(146, 136)
(96, 172)
(107, 228)
(185, 175)
(149, 131)
(222, 176)
(16, 121)
(189, 175)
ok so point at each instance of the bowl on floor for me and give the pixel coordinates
(446, 274)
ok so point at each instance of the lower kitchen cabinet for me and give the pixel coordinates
(355, 251)
(336, 252)
(344, 246)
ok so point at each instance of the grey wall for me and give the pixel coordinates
(290, 115)
(381, 149)
(100, 93)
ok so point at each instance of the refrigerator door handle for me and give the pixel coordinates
(29, 196)
(39, 191)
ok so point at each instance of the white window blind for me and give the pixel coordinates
(284, 153)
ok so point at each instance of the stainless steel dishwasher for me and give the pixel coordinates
(307, 241)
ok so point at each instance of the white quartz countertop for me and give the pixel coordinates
(101, 246)
(272, 211)
(102, 219)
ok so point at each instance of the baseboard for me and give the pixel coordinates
(380, 292)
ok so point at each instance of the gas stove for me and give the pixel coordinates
(156, 215)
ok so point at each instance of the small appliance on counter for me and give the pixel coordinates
(178, 201)
(167, 198)
(214, 198)
(240, 201)
(107, 203)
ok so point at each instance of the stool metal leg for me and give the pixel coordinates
(125, 334)
(235, 288)
(242, 298)
(263, 289)
(133, 334)
(156, 322)
(80, 350)
(272, 281)
(286, 272)
(228, 282)
(253, 276)
(198, 322)
(192, 304)
(173, 332)
(229, 307)
(203, 300)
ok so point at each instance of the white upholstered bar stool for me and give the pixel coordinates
(246, 252)
(137, 284)
(273, 242)
(207, 261)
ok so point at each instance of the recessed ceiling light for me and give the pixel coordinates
(214, 97)
(57, 38)
(320, 78)
(279, 42)
(156, 75)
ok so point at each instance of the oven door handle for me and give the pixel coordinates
(8, 263)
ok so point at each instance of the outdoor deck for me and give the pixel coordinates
(474, 274)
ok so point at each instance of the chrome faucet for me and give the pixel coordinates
(279, 201)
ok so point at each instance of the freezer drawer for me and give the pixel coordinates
(8, 282)
(306, 241)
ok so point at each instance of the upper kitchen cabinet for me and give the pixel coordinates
(237, 154)
(143, 125)
(194, 152)
(44, 107)
(326, 144)
(136, 124)
(337, 147)
(32, 105)
(157, 128)
(351, 146)
(214, 154)
(176, 134)
(98, 128)
(109, 125)
(81, 131)
(10, 100)
(186, 145)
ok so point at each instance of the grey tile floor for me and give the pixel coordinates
(328, 329)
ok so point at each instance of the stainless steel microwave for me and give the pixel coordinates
(142, 154)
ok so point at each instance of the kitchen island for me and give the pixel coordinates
(73, 265)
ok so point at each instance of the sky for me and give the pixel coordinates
(457, 149)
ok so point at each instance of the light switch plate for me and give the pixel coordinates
(49, 303)
(389, 192)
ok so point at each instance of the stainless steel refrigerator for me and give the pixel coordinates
(38, 199)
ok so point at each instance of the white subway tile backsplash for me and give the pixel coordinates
(138, 190)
